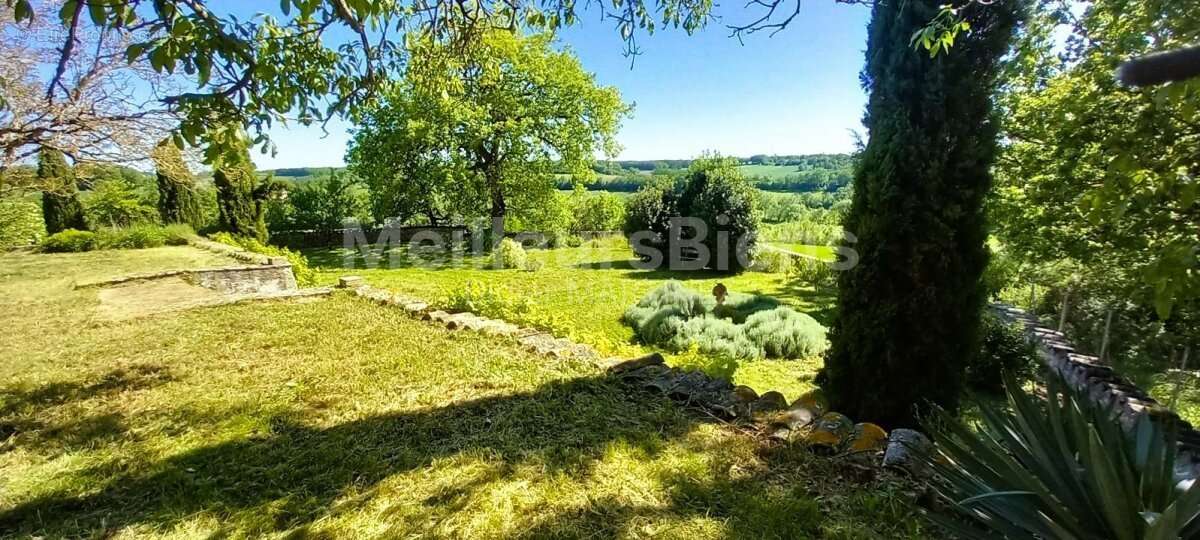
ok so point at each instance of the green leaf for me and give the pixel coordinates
(96, 10)
(1163, 303)
(67, 11)
(135, 51)
(22, 11)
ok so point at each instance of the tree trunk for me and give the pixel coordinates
(499, 208)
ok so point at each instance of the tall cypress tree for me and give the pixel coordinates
(239, 203)
(908, 313)
(61, 208)
(178, 200)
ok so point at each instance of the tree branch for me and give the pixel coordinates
(67, 49)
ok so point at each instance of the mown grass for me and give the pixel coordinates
(339, 418)
(586, 289)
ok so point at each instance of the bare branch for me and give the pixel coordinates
(66, 50)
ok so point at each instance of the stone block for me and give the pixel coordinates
(350, 282)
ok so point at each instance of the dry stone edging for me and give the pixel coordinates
(794, 423)
(1106, 388)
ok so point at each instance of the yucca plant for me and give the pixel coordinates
(1058, 467)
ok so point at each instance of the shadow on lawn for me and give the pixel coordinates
(58, 393)
(298, 471)
(660, 273)
(19, 427)
(819, 302)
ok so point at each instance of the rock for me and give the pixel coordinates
(905, 446)
(770, 401)
(804, 411)
(830, 433)
(350, 282)
(867, 437)
(437, 316)
(744, 394)
(625, 366)
(813, 400)
(416, 308)
(457, 321)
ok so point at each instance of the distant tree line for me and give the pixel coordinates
(808, 181)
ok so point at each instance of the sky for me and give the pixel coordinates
(794, 93)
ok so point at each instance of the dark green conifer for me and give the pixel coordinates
(61, 208)
(178, 199)
(909, 313)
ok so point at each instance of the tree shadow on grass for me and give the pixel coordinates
(138, 377)
(298, 470)
(19, 427)
(819, 302)
(633, 271)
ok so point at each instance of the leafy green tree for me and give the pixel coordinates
(61, 209)
(497, 112)
(397, 151)
(326, 203)
(1102, 174)
(596, 211)
(117, 203)
(652, 207)
(908, 313)
(178, 198)
(718, 194)
(20, 223)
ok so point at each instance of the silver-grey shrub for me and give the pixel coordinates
(785, 333)
(746, 326)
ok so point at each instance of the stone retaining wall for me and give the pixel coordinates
(1088, 375)
(262, 274)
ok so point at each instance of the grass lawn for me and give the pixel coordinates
(340, 418)
(586, 290)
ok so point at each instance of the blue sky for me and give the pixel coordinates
(794, 93)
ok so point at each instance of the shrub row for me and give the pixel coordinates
(745, 326)
(133, 237)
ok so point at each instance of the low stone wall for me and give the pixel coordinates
(230, 280)
(1088, 375)
(246, 279)
(262, 274)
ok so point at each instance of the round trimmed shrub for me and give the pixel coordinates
(69, 241)
(509, 254)
(674, 294)
(712, 335)
(786, 333)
